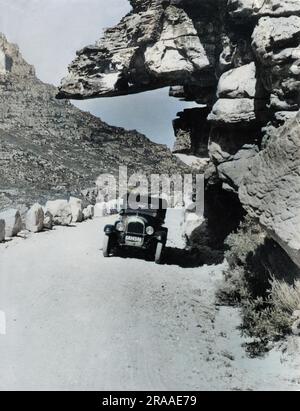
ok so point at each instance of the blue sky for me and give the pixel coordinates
(50, 31)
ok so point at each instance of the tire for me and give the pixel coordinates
(158, 253)
(106, 246)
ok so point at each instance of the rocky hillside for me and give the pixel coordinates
(240, 59)
(49, 148)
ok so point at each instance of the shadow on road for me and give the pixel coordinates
(191, 258)
(184, 258)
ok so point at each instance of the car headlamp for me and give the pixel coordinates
(120, 226)
(150, 230)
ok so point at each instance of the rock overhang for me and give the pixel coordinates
(154, 46)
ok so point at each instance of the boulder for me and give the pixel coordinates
(191, 222)
(91, 210)
(113, 206)
(77, 209)
(270, 189)
(240, 111)
(100, 210)
(296, 328)
(238, 83)
(88, 212)
(61, 212)
(2, 230)
(191, 219)
(13, 222)
(35, 218)
(48, 220)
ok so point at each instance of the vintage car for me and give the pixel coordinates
(140, 227)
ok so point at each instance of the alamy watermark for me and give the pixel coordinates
(164, 191)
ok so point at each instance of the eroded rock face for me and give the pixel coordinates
(276, 43)
(270, 189)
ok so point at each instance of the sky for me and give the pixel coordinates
(49, 32)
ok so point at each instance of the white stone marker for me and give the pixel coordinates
(77, 209)
(35, 218)
(13, 222)
(61, 211)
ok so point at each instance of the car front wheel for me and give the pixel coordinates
(158, 253)
(107, 245)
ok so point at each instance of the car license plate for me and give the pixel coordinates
(133, 239)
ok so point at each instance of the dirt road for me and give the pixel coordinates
(75, 320)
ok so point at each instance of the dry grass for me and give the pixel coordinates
(284, 296)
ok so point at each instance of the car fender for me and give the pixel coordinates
(161, 236)
(109, 229)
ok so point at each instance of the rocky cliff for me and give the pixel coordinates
(239, 59)
(49, 148)
(270, 191)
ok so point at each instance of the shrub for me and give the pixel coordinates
(263, 320)
(267, 302)
(284, 296)
(243, 243)
(244, 278)
(233, 288)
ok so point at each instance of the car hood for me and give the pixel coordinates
(138, 217)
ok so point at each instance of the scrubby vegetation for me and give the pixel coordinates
(262, 281)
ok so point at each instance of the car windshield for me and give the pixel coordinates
(154, 207)
(142, 210)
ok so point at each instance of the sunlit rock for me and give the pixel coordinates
(13, 222)
(61, 212)
(35, 218)
(77, 209)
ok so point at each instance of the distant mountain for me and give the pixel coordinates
(49, 148)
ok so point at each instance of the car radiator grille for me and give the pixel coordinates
(135, 228)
